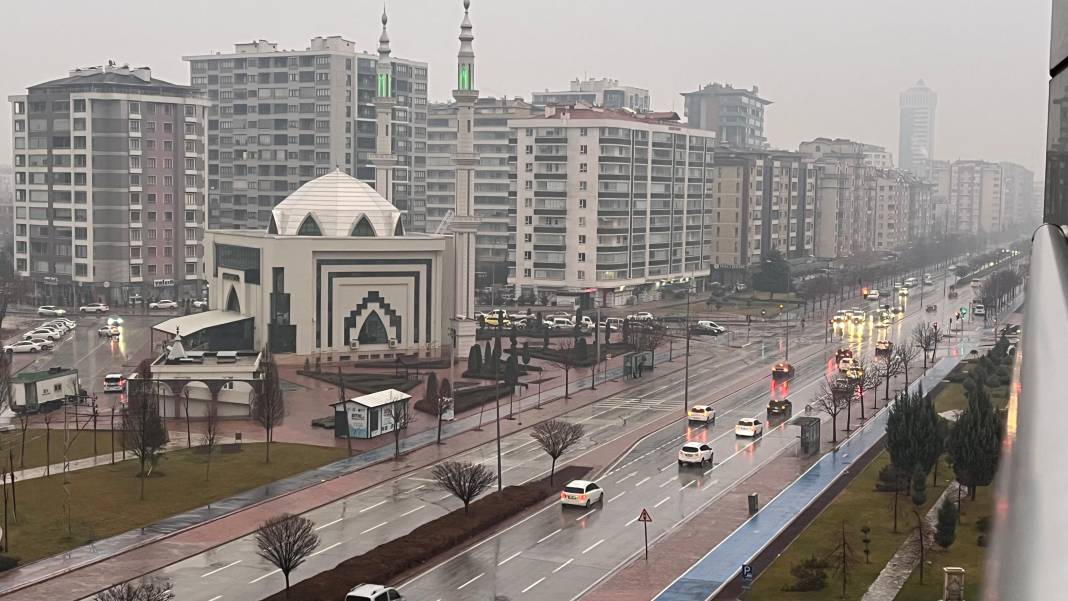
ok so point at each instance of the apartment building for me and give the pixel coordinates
(938, 174)
(604, 92)
(7, 208)
(975, 197)
(845, 197)
(110, 185)
(763, 200)
(1017, 197)
(284, 117)
(922, 213)
(891, 209)
(611, 203)
(735, 114)
(494, 194)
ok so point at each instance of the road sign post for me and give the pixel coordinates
(645, 518)
(747, 576)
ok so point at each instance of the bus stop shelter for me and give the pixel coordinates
(369, 415)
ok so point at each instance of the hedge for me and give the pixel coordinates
(446, 533)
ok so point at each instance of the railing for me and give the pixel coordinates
(1031, 498)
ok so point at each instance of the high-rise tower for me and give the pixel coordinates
(917, 129)
(464, 223)
(383, 158)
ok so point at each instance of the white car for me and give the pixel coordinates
(22, 346)
(108, 331)
(582, 493)
(114, 320)
(94, 308)
(709, 327)
(59, 328)
(748, 426)
(701, 413)
(695, 452)
(43, 333)
(979, 310)
(642, 316)
(872, 295)
(200, 303)
(44, 343)
(845, 364)
(50, 311)
(163, 304)
(70, 323)
(373, 592)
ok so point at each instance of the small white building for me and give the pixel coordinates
(369, 415)
(230, 377)
(336, 274)
(42, 390)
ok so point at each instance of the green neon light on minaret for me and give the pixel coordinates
(385, 89)
(465, 77)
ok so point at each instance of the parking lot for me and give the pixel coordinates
(91, 354)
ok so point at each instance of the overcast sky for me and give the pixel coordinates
(831, 67)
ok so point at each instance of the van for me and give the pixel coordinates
(709, 327)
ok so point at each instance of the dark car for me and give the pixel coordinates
(782, 371)
(842, 353)
(780, 407)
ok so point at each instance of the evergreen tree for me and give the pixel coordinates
(919, 487)
(946, 528)
(487, 356)
(431, 392)
(474, 359)
(581, 350)
(976, 441)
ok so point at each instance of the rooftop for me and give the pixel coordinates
(36, 376)
(116, 77)
(336, 205)
(378, 399)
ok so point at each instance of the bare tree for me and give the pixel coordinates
(400, 416)
(834, 396)
(143, 431)
(465, 480)
(865, 376)
(185, 407)
(925, 336)
(286, 541)
(5, 377)
(48, 442)
(563, 358)
(268, 406)
(143, 591)
(923, 534)
(555, 437)
(906, 355)
(24, 426)
(211, 433)
(443, 403)
(842, 559)
(889, 367)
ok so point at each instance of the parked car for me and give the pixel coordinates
(709, 327)
(43, 333)
(94, 308)
(780, 407)
(701, 413)
(373, 592)
(22, 346)
(200, 303)
(44, 343)
(749, 426)
(642, 316)
(562, 323)
(163, 304)
(70, 323)
(616, 323)
(582, 493)
(59, 327)
(695, 453)
(50, 311)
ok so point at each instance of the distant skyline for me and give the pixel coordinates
(832, 68)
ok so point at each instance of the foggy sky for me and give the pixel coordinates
(832, 67)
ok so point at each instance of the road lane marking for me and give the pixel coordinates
(548, 536)
(509, 558)
(661, 502)
(627, 477)
(673, 478)
(412, 511)
(325, 549)
(461, 587)
(642, 481)
(374, 527)
(328, 524)
(442, 498)
(709, 470)
(536, 583)
(416, 488)
(217, 570)
(421, 479)
(564, 565)
(585, 514)
(669, 466)
(617, 496)
(382, 502)
(215, 598)
(687, 485)
(710, 484)
(271, 573)
(592, 547)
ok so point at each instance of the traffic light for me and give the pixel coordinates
(963, 312)
(935, 325)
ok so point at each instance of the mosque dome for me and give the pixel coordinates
(336, 205)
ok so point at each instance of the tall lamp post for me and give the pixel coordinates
(686, 371)
(787, 331)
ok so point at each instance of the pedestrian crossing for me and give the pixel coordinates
(641, 403)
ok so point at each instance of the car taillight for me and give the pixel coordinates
(563, 495)
(582, 497)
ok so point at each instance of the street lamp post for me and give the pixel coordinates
(787, 330)
(686, 377)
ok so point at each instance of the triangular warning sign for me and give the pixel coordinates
(645, 517)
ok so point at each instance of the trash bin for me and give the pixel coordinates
(754, 503)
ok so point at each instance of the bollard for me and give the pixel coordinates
(754, 503)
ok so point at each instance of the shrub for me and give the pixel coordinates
(891, 478)
(919, 487)
(983, 524)
(387, 560)
(7, 562)
(969, 384)
(981, 540)
(809, 575)
(946, 529)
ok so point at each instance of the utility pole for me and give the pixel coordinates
(686, 377)
(496, 397)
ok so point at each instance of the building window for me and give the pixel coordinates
(582, 131)
(528, 220)
(582, 238)
(583, 168)
(583, 149)
(526, 273)
(528, 149)
(581, 275)
(582, 186)
(582, 203)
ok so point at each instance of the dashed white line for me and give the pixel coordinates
(374, 527)
(548, 536)
(643, 481)
(509, 558)
(565, 564)
(585, 514)
(592, 547)
(215, 598)
(328, 524)
(443, 497)
(461, 587)
(271, 573)
(668, 466)
(709, 471)
(627, 477)
(410, 512)
(672, 479)
(217, 570)
(417, 488)
(661, 502)
(617, 496)
(687, 485)
(382, 502)
(325, 549)
(536, 583)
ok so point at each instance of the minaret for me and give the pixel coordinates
(383, 158)
(464, 224)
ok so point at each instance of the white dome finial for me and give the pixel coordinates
(383, 40)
